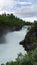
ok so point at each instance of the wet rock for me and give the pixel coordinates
(30, 41)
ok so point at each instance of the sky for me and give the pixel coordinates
(24, 9)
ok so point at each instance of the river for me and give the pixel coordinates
(11, 48)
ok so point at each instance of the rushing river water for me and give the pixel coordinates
(10, 49)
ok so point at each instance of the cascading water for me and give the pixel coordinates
(10, 49)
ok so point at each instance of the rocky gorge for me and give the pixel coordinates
(30, 41)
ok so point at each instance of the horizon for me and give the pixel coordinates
(23, 9)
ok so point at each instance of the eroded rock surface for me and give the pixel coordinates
(30, 41)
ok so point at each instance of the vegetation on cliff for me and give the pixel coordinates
(30, 41)
(28, 59)
(8, 22)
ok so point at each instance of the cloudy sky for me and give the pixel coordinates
(25, 9)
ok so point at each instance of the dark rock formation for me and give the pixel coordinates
(4, 29)
(30, 41)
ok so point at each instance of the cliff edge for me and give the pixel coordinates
(30, 41)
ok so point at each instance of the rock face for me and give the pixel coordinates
(30, 41)
(5, 29)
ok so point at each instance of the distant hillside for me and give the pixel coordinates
(11, 20)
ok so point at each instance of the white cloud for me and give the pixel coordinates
(22, 12)
(27, 11)
(30, 19)
(6, 5)
(9, 4)
(24, 3)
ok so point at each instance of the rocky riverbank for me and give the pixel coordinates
(30, 41)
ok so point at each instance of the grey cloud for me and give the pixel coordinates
(27, 11)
